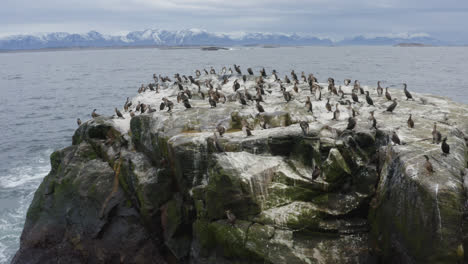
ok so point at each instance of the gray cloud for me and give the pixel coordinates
(335, 18)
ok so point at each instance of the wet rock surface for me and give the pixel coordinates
(154, 188)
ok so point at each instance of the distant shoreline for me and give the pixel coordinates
(208, 48)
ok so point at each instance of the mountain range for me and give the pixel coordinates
(193, 37)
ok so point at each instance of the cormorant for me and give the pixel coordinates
(445, 146)
(211, 101)
(260, 107)
(308, 105)
(379, 89)
(287, 96)
(387, 94)
(119, 114)
(355, 97)
(369, 99)
(78, 121)
(410, 122)
(305, 127)
(428, 165)
(436, 135)
(336, 114)
(328, 105)
(236, 86)
(245, 127)
(408, 94)
(351, 123)
(94, 114)
(392, 106)
(395, 138)
(187, 103)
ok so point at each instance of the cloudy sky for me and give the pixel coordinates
(443, 19)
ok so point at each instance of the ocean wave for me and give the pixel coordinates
(23, 176)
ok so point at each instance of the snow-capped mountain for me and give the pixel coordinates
(189, 37)
(380, 41)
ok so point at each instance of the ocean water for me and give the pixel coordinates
(42, 94)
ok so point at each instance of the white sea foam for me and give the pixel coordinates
(23, 175)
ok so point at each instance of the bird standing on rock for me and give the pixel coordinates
(387, 94)
(236, 86)
(305, 127)
(428, 165)
(355, 97)
(408, 94)
(78, 121)
(395, 138)
(187, 104)
(410, 122)
(379, 89)
(369, 99)
(308, 105)
(328, 105)
(445, 147)
(169, 104)
(94, 114)
(336, 114)
(245, 127)
(211, 101)
(118, 113)
(351, 123)
(392, 107)
(260, 107)
(287, 96)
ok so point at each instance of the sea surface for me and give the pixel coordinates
(42, 94)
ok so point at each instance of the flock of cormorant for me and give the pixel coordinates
(184, 84)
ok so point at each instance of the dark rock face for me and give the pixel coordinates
(156, 189)
(79, 214)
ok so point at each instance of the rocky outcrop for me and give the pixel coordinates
(154, 188)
